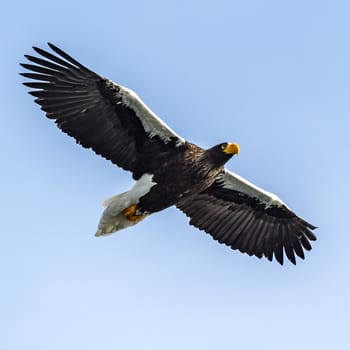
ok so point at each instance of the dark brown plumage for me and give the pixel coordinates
(114, 122)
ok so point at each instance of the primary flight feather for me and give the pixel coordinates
(114, 122)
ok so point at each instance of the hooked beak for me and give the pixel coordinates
(232, 148)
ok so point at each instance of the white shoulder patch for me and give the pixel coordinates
(237, 183)
(152, 124)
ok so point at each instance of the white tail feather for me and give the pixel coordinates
(109, 200)
(112, 219)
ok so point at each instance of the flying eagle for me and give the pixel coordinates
(114, 122)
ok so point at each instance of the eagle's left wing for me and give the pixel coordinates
(241, 215)
(100, 114)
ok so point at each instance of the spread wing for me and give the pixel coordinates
(241, 215)
(99, 114)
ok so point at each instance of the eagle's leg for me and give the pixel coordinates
(124, 210)
(131, 213)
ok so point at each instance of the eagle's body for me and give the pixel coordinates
(116, 124)
(195, 172)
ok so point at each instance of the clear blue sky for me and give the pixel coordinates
(273, 76)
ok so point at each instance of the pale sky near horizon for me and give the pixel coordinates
(273, 76)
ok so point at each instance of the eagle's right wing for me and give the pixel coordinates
(243, 216)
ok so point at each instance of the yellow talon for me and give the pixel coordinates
(130, 213)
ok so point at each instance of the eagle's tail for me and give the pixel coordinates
(121, 210)
(113, 218)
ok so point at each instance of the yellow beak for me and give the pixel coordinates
(232, 148)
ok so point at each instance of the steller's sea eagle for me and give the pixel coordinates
(114, 122)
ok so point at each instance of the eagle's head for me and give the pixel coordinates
(222, 152)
